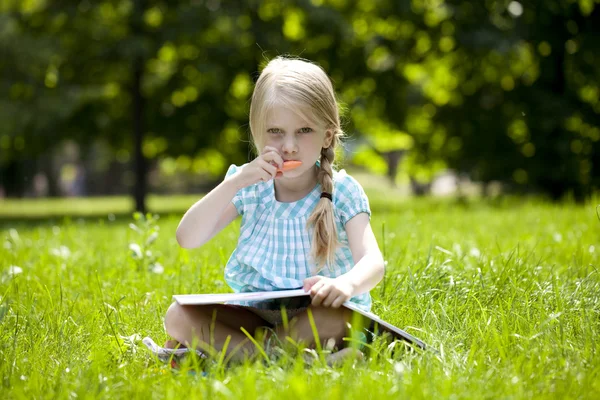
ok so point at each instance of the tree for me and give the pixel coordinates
(499, 90)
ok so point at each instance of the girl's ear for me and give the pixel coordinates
(328, 138)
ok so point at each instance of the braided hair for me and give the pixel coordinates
(325, 240)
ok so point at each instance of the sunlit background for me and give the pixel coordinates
(142, 97)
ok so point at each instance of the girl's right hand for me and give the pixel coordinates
(262, 169)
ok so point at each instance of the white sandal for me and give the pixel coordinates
(166, 355)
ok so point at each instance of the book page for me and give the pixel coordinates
(220, 298)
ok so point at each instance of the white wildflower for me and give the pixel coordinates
(14, 270)
(475, 252)
(158, 268)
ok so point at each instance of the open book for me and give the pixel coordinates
(198, 299)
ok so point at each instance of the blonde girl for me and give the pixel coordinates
(308, 227)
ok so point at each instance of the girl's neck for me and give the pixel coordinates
(294, 189)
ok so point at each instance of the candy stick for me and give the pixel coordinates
(289, 165)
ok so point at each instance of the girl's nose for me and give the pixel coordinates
(289, 145)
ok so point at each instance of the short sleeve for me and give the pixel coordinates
(349, 197)
(238, 198)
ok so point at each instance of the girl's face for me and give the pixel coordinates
(295, 138)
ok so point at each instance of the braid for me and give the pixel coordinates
(325, 176)
(325, 240)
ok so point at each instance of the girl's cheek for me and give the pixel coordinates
(272, 143)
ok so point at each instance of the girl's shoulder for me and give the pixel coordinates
(345, 183)
(349, 197)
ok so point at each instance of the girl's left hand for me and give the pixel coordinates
(327, 292)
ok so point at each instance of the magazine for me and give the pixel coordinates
(223, 298)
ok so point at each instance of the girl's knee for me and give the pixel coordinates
(181, 320)
(330, 315)
(332, 322)
(174, 318)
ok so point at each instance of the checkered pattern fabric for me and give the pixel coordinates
(273, 249)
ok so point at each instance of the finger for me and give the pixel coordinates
(273, 157)
(269, 168)
(320, 296)
(266, 162)
(316, 287)
(315, 302)
(262, 175)
(270, 152)
(267, 149)
(328, 301)
(337, 303)
(309, 282)
(265, 176)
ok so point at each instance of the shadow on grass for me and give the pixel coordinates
(7, 222)
(92, 209)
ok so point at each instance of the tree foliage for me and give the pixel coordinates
(498, 90)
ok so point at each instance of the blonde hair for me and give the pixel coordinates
(304, 87)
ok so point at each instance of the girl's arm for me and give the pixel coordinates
(215, 211)
(208, 216)
(369, 264)
(368, 269)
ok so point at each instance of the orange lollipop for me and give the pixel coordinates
(289, 165)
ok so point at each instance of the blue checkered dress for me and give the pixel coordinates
(273, 250)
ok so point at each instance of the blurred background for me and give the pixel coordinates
(138, 97)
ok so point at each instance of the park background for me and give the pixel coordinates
(137, 97)
(108, 107)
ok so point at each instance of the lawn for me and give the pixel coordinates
(507, 291)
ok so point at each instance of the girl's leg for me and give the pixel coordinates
(331, 323)
(210, 325)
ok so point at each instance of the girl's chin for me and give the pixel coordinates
(292, 173)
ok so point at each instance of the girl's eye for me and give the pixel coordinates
(305, 130)
(274, 130)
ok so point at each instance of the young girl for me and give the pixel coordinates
(307, 227)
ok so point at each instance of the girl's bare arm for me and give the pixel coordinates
(215, 211)
(208, 216)
(369, 264)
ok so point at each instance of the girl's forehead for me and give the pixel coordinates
(284, 114)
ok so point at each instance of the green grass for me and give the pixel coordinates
(508, 291)
(31, 208)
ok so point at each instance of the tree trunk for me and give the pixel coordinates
(12, 177)
(139, 191)
(420, 189)
(112, 180)
(562, 176)
(140, 167)
(393, 159)
(48, 169)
